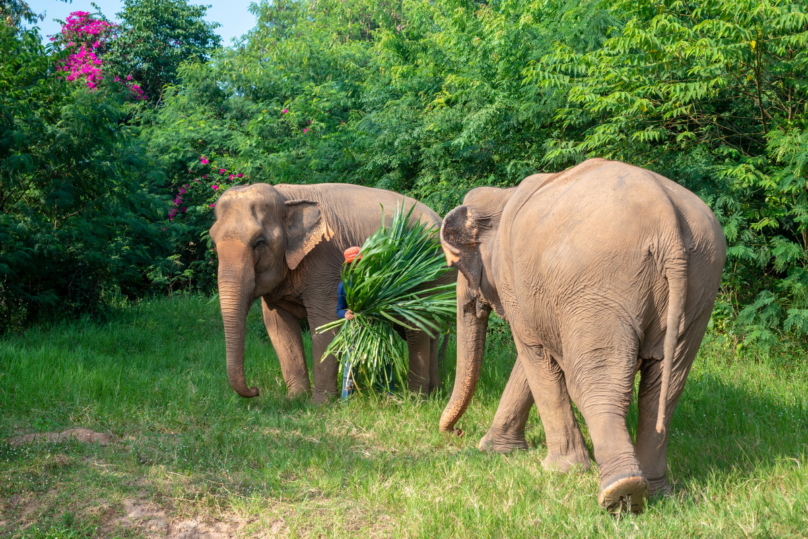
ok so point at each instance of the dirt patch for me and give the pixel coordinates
(82, 435)
(152, 521)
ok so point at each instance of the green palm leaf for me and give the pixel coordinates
(390, 285)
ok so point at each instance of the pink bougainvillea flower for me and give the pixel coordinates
(222, 170)
(284, 111)
(213, 205)
(306, 130)
(214, 187)
(239, 175)
(311, 121)
(204, 160)
(231, 176)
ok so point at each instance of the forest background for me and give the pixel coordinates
(108, 180)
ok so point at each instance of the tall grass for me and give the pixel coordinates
(154, 376)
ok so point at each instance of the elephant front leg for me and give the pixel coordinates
(566, 449)
(507, 433)
(284, 332)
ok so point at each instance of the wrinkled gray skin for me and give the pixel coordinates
(284, 244)
(602, 270)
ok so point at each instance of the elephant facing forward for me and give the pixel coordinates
(602, 270)
(284, 244)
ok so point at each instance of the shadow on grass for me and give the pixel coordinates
(721, 427)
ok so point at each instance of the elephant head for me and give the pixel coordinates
(260, 237)
(468, 237)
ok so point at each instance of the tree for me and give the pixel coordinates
(14, 12)
(713, 94)
(78, 223)
(155, 37)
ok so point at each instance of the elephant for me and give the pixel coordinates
(284, 244)
(601, 271)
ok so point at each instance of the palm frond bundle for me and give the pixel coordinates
(390, 285)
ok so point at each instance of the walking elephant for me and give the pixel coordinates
(284, 244)
(601, 271)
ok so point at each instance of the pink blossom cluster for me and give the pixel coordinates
(90, 36)
(80, 22)
(84, 64)
(179, 201)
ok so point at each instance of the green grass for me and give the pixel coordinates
(377, 467)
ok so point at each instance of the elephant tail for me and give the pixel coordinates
(676, 274)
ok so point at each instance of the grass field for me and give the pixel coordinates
(191, 455)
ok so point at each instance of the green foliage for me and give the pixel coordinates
(392, 284)
(433, 98)
(155, 37)
(14, 12)
(424, 98)
(77, 220)
(713, 95)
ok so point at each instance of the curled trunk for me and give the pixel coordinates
(471, 328)
(236, 281)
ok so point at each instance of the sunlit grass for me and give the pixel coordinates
(376, 466)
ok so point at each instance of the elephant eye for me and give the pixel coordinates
(258, 243)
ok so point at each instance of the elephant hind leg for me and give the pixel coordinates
(507, 433)
(602, 386)
(435, 348)
(419, 345)
(651, 446)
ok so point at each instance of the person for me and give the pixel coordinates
(350, 254)
(348, 384)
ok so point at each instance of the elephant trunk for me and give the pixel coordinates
(472, 323)
(236, 282)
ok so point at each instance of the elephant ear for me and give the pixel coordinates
(460, 235)
(305, 226)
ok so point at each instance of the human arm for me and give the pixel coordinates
(342, 304)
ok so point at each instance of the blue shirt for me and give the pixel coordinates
(342, 303)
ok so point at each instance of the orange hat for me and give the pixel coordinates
(351, 254)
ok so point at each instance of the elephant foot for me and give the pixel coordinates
(322, 398)
(625, 494)
(297, 392)
(502, 444)
(659, 487)
(556, 462)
